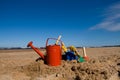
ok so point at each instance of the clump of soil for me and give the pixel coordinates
(101, 68)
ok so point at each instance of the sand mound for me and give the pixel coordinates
(102, 68)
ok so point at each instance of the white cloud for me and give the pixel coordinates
(111, 22)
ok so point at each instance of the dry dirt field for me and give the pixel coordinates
(104, 64)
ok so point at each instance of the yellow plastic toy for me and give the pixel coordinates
(72, 48)
(64, 47)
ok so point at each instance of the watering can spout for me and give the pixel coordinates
(30, 44)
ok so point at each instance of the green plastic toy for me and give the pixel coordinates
(80, 59)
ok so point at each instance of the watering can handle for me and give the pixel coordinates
(53, 39)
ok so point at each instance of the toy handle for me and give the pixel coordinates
(53, 39)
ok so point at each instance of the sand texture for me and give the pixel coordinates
(104, 64)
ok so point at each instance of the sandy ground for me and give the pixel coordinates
(104, 64)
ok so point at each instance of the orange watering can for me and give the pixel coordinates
(54, 53)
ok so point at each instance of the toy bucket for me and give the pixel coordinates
(54, 56)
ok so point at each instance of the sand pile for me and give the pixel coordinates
(102, 68)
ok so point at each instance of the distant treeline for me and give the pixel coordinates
(112, 46)
(5, 48)
(1, 48)
(105, 46)
(12, 48)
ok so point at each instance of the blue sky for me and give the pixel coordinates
(80, 22)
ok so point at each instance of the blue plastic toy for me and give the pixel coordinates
(70, 55)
